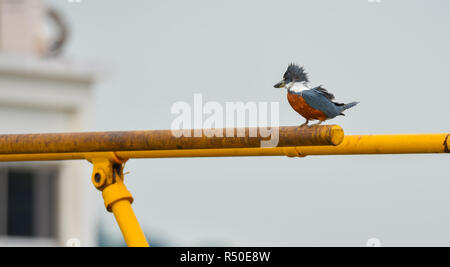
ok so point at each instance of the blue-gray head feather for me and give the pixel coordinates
(294, 73)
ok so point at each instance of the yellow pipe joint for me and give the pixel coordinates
(107, 176)
(116, 192)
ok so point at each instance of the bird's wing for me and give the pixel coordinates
(324, 92)
(327, 94)
(319, 101)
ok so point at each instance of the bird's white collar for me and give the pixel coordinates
(297, 87)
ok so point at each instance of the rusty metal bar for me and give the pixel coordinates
(164, 140)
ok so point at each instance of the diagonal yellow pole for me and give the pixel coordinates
(118, 201)
(107, 177)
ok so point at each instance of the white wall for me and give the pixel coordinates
(41, 96)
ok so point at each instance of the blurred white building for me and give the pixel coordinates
(41, 203)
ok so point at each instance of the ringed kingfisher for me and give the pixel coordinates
(312, 103)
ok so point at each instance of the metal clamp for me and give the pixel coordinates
(107, 176)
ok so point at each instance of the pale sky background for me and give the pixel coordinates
(392, 56)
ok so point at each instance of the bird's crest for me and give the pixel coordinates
(295, 73)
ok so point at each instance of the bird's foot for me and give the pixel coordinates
(316, 124)
(304, 124)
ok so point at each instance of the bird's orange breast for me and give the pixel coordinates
(299, 104)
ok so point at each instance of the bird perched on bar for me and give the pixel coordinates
(312, 103)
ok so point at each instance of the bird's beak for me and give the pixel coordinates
(280, 85)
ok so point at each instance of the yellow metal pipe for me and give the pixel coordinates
(384, 144)
(44, 157)
(167, 140)
(351, 145)
(128, 223)
(107, 176)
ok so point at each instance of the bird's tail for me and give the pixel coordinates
(344, 107)
(349, 105)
